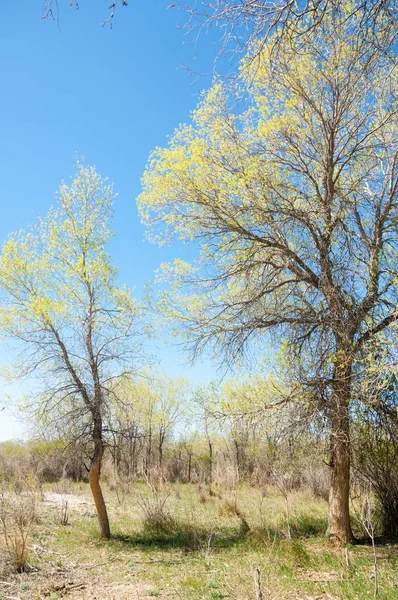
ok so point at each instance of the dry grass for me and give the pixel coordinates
(18, 516)
(202, 556)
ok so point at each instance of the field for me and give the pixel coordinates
(190, 542)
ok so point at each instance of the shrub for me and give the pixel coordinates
(376, 459)
(17, 518)
(230, 507)
(157, 520)
(318, 480)
(64, 513)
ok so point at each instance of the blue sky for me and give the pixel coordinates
(108, 95)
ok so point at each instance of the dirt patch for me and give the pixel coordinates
(127, 591)
(75, 581)
(52, 499)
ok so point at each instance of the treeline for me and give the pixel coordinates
(221, 436)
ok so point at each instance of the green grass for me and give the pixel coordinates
(201, 552)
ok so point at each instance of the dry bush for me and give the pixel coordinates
(120, 484)
(48, 460)
(64, 513)
(318, 481)
(229, 506)
(202, 493)
(14, 458)
(196, 538)
(376, 461)
(18, 515)
(157, 519)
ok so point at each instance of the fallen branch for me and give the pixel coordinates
(257, 584)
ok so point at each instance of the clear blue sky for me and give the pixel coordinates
(108, 95)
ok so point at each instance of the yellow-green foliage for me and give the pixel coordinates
(250, 180)
(60, 305)
(45, 269)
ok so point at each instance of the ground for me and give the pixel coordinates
(189, 542)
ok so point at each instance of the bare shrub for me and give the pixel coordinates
(202, 494)
(64, 513)
(193, 535)
(376, 459)
(17, 518)
(369, 523)
(286, 482)
(157, 519)
(121, 485)
(367, 518)
(318, 481)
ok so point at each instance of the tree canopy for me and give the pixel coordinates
(247, 23)
(293, 191)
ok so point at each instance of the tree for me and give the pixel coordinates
(163, 400)
(250, 23)
(292, 198)
(207, 400)
(75, 330)
(171, 396)
(146, 411)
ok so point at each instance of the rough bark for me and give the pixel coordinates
(339, 527)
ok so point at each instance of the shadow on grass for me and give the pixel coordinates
(302, 528)
(192, 538)
(381, 540)
(187, 538)
(306, 526)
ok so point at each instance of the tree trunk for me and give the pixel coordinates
(189, 466)
(148, 458)
(160, 450)
(95, 471)
(237, 458)
(339, 527)
(135, 457)
(210, 461)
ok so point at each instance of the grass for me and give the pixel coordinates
(201, 553)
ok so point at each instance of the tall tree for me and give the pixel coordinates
(76, 331)
(292, 198)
